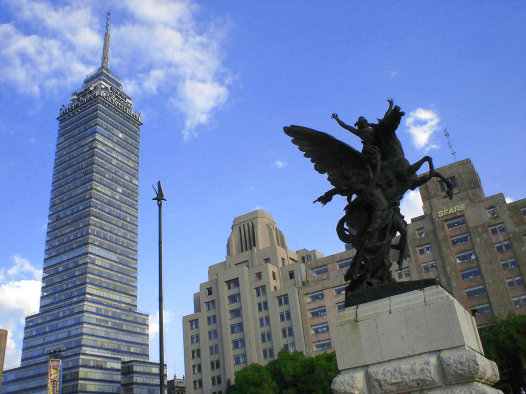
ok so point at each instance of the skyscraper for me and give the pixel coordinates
(88, 303)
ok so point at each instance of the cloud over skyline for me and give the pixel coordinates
(422, 124)
(161, 49)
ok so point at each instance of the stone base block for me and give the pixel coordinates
(419, 341)
(450, 371)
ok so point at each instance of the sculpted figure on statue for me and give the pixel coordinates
(373, 181)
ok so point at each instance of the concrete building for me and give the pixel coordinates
(265, 297)
(3, 345)
(256, 303)
(473, 243)
(88, 304)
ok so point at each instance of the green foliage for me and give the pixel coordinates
(290, 373)
(254, 379)
(504, 341)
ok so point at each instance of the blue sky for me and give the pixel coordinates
(216, 82)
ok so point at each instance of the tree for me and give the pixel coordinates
(254, 379)
(504, 341)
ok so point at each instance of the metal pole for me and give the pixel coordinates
(160, 198)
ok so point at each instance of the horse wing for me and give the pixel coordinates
(343, 164)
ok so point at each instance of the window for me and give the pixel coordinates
(283, 300)
(194, 324)
(282, 262)
(192, 339)
(235, 313)
(322, 345)
(218, 379)
(460, 239)
(319, 328)
(238, 327)
(344, 264)
(523, 211)
(273, 275)
(267, 261)
(399, 274)
(339, 290)
(340, 306)
(265, 354)
(466, 256)
(240, 359)
(292, 347)
(210, 305)
(233, 298)
(317, 312)
(211, 320)
(216, 349)
(516, 302)
(498, 228)
(232, 284)
(291, 274)
(481, 310)
(470, 273)
(429, 266)
(238, 343)
(420, 233)
(213, 380)
(287, 332)
(290, 331)
(475, 291)
(320, 270)
(502, 246)
(317, 296)
(209, 291)
(426, 249)
(515, 282)
(258, 276)
(261, 291)
(212, 334)
(457, 222)
(492, 212)
(407, 273)
(262, 306)
(284, 316)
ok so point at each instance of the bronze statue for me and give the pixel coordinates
(373, 181)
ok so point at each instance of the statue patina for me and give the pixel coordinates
(373, 181)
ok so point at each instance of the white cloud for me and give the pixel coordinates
(154, 322)
(422, 123)
(279, 164)
(159, 46)
(22, 265)
(411, 205)
(20, 288)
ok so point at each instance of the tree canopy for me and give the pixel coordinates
(290, 373)
(504, 341)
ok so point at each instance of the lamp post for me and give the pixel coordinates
(160, 198)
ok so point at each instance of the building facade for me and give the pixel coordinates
(474, 244)
(88, 305)
(264, 297)
(258, 302)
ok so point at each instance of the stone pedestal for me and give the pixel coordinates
(416, 342)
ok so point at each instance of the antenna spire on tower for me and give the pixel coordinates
(106, 49)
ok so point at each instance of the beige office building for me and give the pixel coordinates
(262, 299)
(473, 243)
(265, 297)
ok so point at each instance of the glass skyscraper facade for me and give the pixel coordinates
(88, 303)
